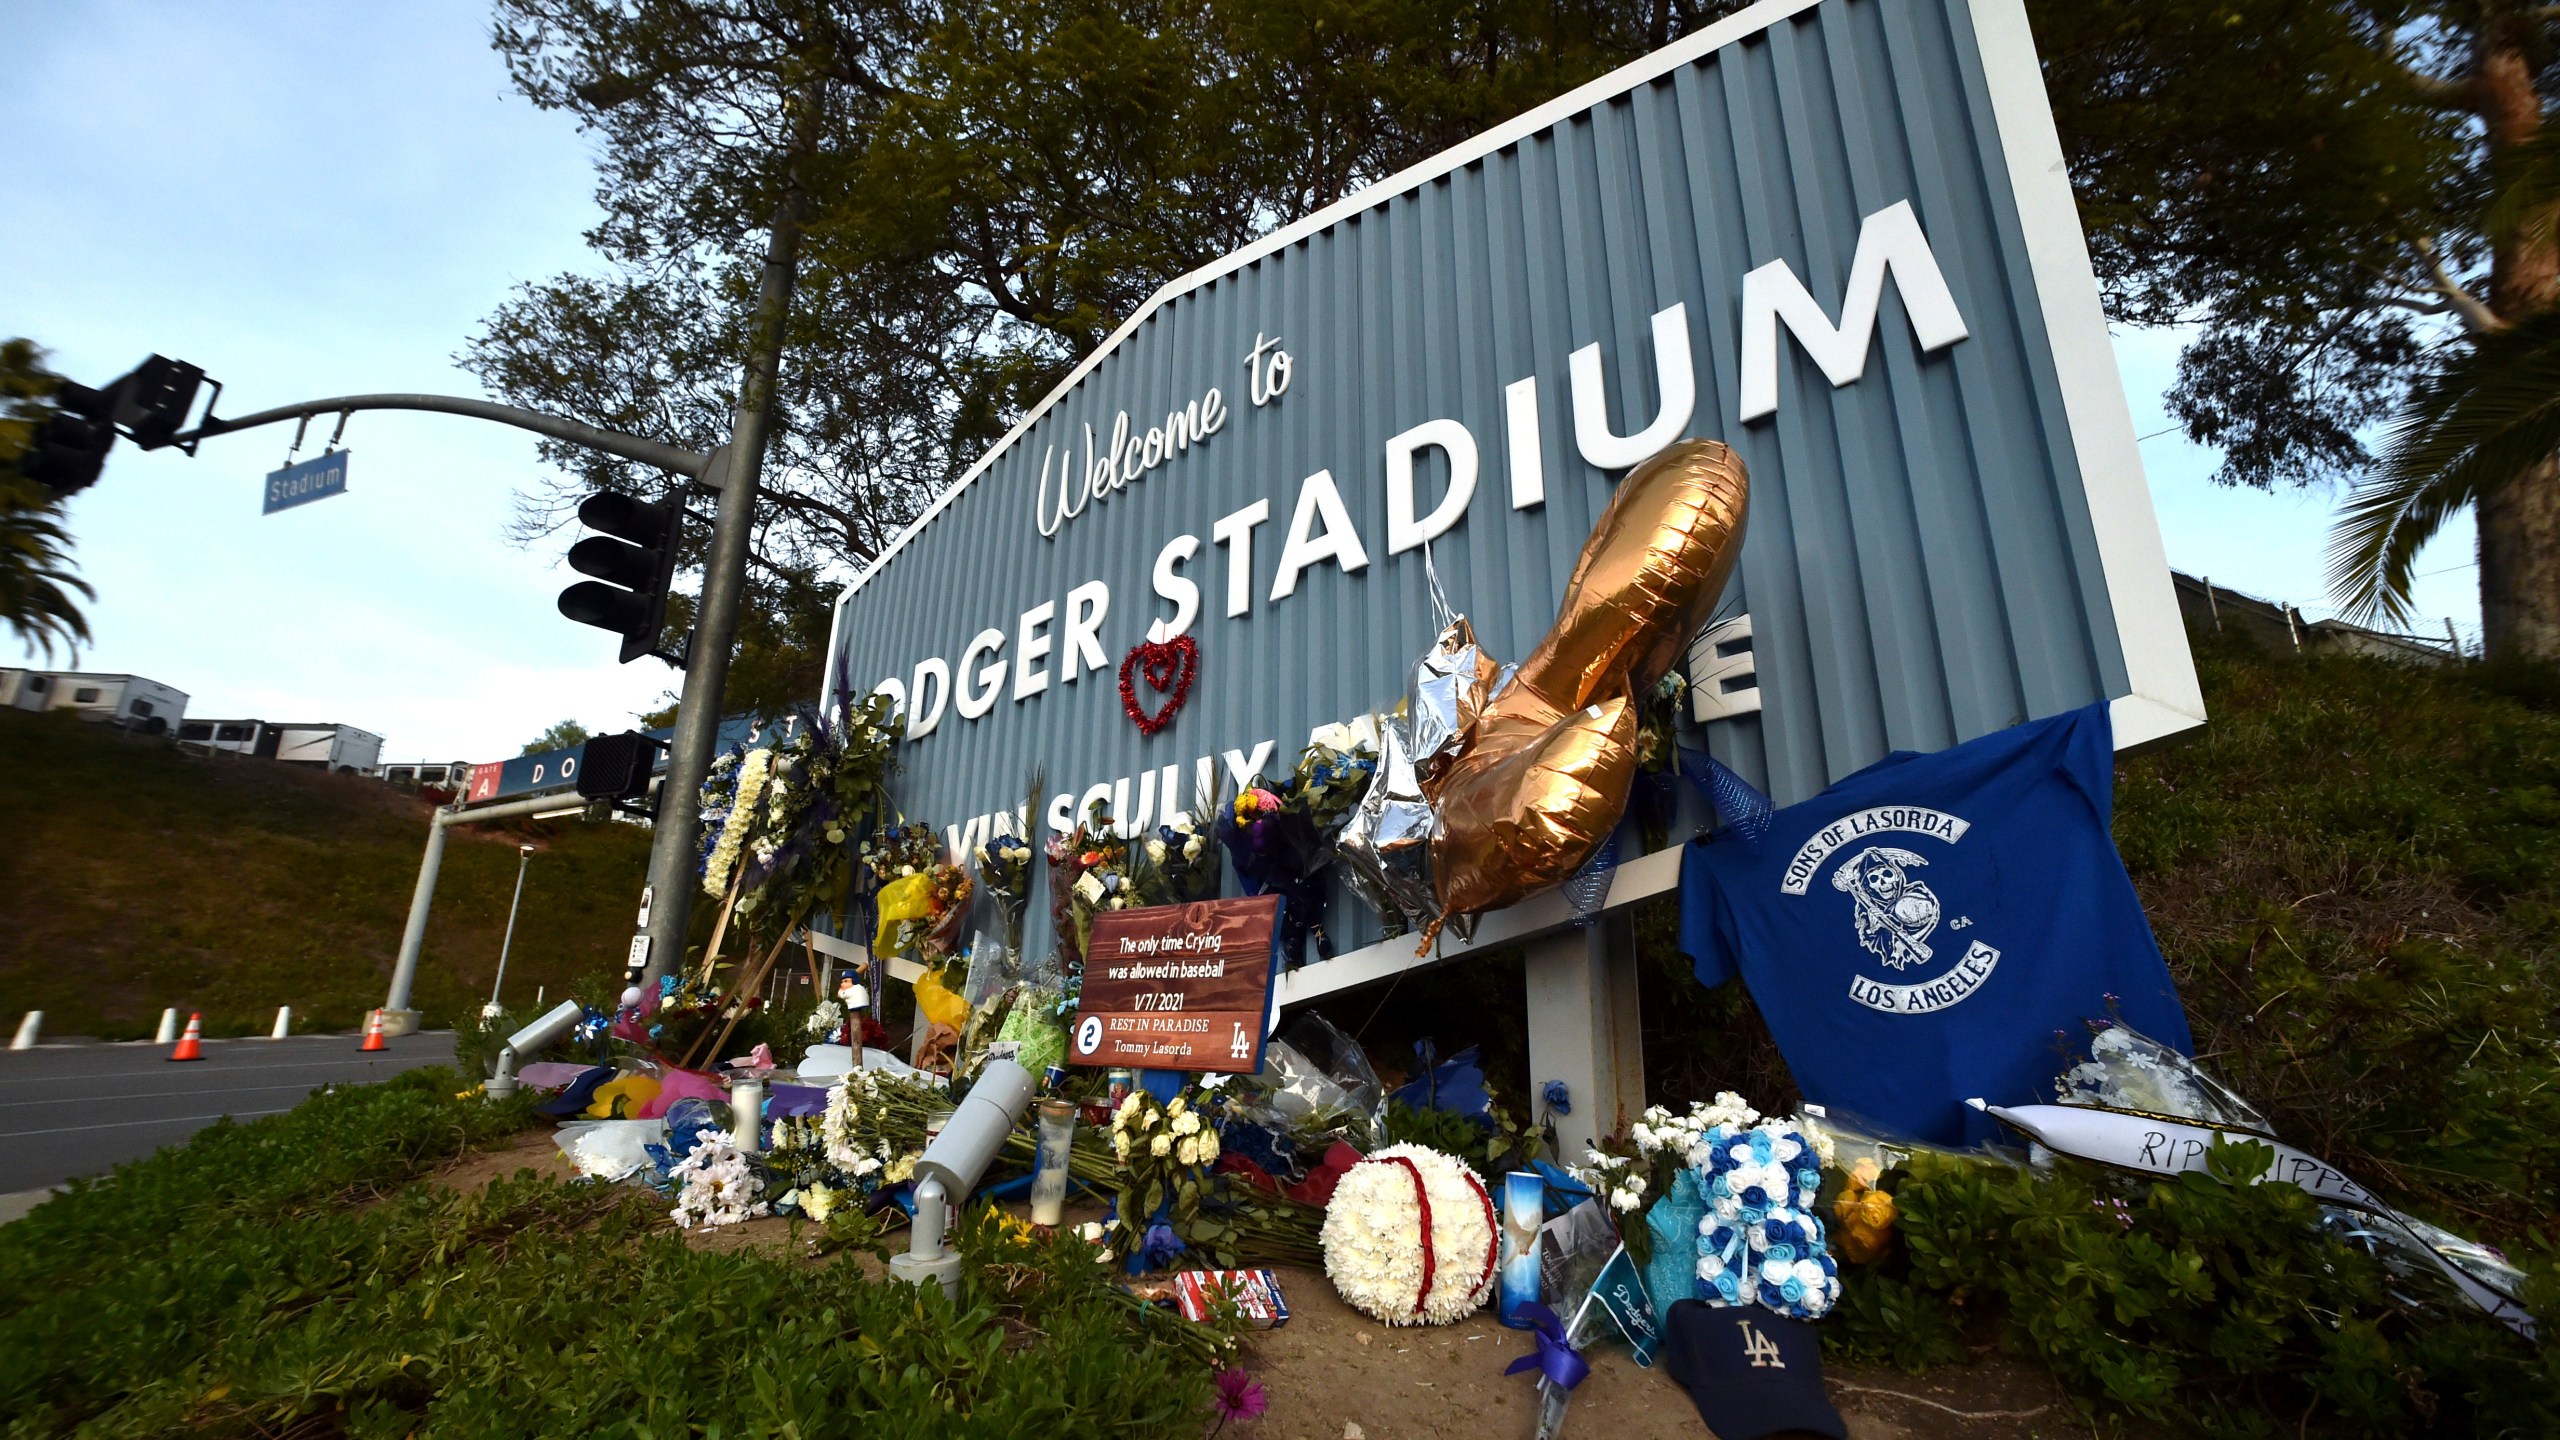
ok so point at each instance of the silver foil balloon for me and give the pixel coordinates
(1451, 682)
(1385, 842)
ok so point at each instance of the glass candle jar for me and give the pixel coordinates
(1057, 1146)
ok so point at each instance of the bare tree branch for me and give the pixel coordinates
(2477, 317)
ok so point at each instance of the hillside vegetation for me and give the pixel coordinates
(2354, 870)
(135, 876)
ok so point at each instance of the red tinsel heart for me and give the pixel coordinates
(1168, 665)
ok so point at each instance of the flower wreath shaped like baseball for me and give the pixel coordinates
(1409, 1237)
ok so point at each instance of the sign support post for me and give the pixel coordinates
(1586, 1029)
(398, 1016)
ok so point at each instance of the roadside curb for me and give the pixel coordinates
(15, 1205)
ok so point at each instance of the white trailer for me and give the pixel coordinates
(133, 701)
(322, 745)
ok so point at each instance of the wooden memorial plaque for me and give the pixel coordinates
(1178, 987)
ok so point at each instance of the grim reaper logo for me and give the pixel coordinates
(1894, 913)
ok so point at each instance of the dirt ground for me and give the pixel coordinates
(1333, 1374)
(1331, 1368)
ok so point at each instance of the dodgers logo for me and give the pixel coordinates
(1893, 913)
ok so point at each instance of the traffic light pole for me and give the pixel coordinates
(734, 470)
(691, 464)
(697, 723)
(715, 623)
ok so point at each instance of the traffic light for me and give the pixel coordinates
(634, 561)
(617, 767)
(151, 405)
(71, 446)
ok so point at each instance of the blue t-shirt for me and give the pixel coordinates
(1938, 927)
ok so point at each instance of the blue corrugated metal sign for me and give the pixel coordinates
(315, 479)
(1835, 234)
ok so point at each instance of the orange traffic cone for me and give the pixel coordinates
(373, 1032)
(191, 1044)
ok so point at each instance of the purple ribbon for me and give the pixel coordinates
(1554, 1358)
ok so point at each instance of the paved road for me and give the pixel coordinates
(70, 1110)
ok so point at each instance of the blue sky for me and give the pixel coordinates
(314, 199)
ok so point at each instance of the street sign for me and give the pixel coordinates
(314, 479)
(1178, 987)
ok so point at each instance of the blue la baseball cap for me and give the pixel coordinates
(1751, 1373)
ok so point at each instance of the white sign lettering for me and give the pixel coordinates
(1323, 530)
(1931, 996)
(1915, 819)
(1127, 458)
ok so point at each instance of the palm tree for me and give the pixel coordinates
(35, 565)
(2486, 416)
(2489, 413)
(36, 580)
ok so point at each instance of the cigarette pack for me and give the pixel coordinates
(1255, 1292)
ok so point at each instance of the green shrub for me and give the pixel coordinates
(241, 1286)
(1489, 1149)
(2204, 1300)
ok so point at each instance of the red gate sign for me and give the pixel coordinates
(1178, 987)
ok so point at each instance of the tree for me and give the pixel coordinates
(561, 735)
(2329, 190)
(1002, 182)
(781, 659)
(36, 578)
(691, 105)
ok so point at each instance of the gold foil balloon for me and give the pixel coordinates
(1527, 819)
(1542, 775)
(1649, 575)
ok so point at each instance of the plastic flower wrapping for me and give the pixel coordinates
(1183, 861)
(2127, 1070)
(1280, 836)
(1383, 1258)
(1004, 872)
(923, 898)
(1032, 1025)
(1334, 771)
(1761, 1241)
(1653, 801)
(1865, 1215)
(1088, 873)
